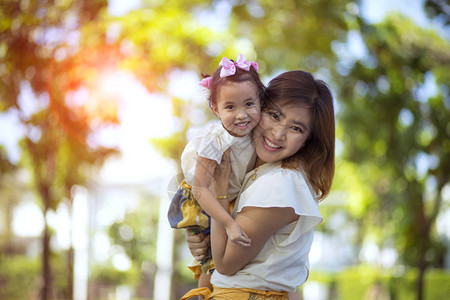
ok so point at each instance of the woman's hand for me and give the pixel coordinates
(222, 175)
(198, 244)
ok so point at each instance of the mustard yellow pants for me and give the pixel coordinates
(235, 294)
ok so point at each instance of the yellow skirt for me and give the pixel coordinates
(235, 294)
(185, 211)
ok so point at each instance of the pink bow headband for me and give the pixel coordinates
(229, 68)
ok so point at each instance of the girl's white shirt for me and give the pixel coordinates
(211, 141)
(282, 264)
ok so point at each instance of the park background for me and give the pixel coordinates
(96, 99)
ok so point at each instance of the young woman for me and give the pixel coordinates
(278, 204)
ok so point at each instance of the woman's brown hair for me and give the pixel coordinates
(316, 156)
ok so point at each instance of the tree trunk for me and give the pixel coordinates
(420, 279)
(70, 254)
(46, 272)
(422, 265)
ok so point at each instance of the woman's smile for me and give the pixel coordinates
(271, 146)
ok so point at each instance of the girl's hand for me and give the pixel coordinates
(237, 235)
(222, 175)
(198, 244)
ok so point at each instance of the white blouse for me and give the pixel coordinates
(211, 142)
(282, 264)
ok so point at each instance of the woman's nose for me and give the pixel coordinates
(279, 132)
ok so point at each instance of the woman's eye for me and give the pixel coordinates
(298, 129)
(274, 116)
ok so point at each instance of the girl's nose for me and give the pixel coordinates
(242, 114)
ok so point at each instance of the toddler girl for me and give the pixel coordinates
(235, 97)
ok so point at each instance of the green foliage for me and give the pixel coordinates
(437, 8)
(397, 131)
(160, 37)
(5, 165)
(276, 28)
(108, 274)
(18, 277)
(36, 50)
(436, 284)
(364, 282)
(137, 233)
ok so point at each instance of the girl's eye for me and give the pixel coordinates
(298, 129)
(229, 107)
(248, 104)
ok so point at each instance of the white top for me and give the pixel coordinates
(282, 264)
(211, 142)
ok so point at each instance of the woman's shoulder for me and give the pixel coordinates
(282, 176)
(275, 186)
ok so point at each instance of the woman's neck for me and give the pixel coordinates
(259, 162)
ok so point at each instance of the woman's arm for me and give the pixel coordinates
(259, 224)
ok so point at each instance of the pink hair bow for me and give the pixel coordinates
(206, 82)
(244, 64)
(229, 67)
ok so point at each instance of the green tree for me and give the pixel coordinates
(39, 49)
(397, 137)
(437, 8)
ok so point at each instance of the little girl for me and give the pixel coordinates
(235, 97)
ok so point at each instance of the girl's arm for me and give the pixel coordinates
(203, 175)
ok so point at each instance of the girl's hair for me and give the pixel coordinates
(316, 156)
(240, 76)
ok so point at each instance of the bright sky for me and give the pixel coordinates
(142, 116)
(375, 10)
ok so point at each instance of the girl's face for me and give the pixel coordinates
(238, 107)
(281, 132)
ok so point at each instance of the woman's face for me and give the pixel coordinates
(281, 132)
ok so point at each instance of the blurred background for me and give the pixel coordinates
(96, 98)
